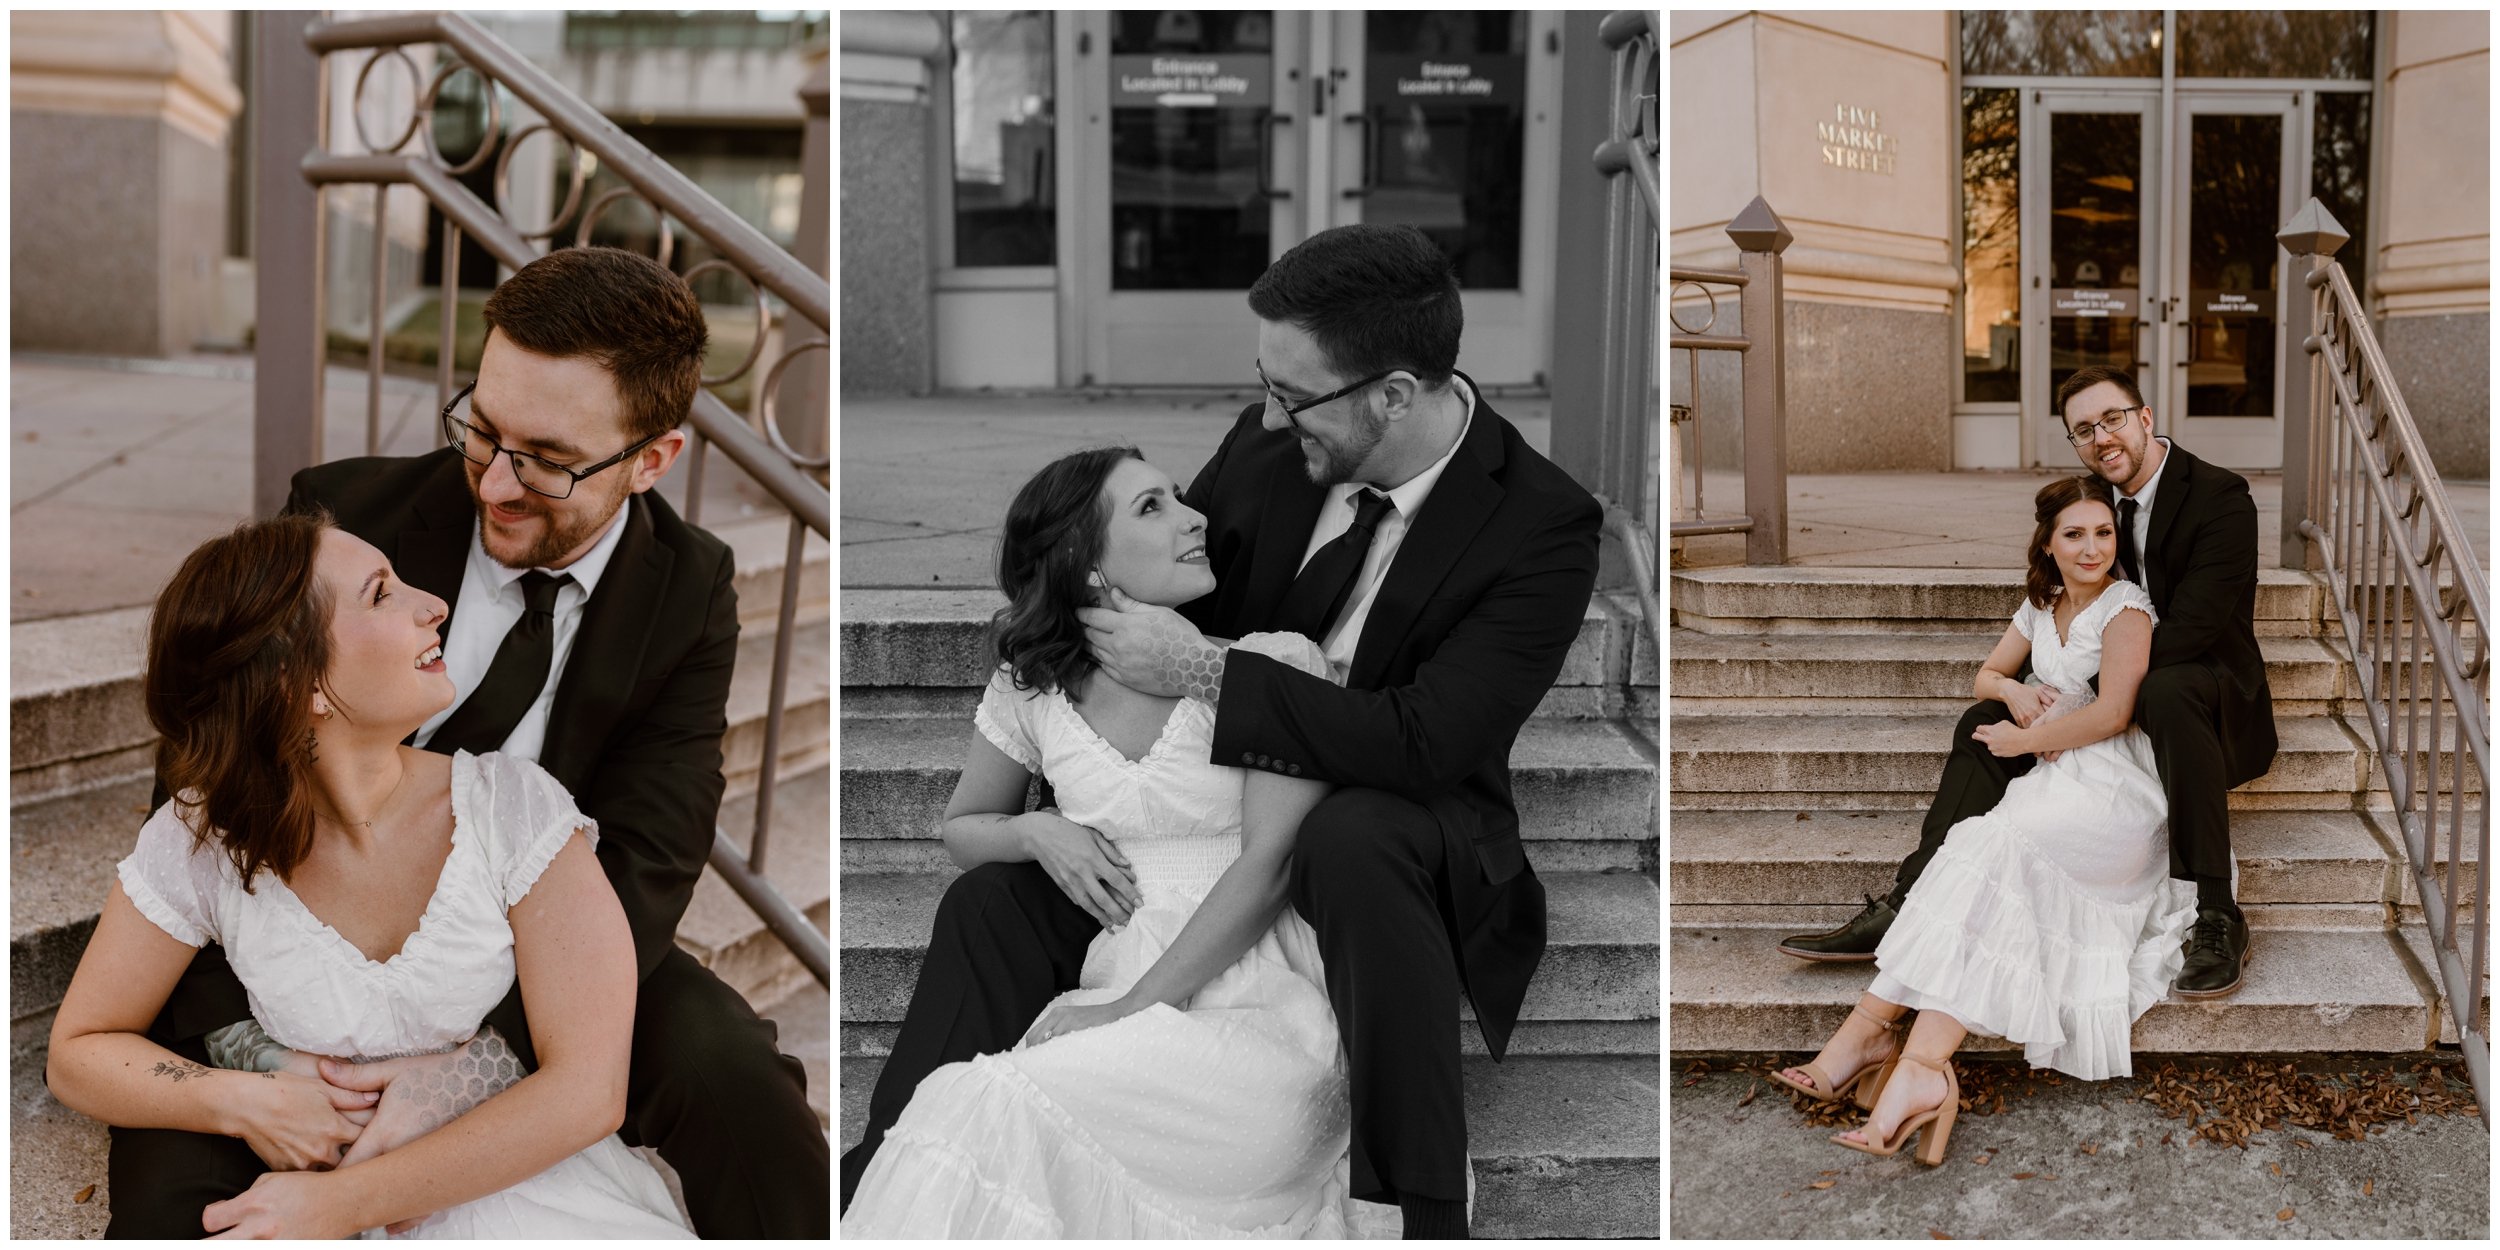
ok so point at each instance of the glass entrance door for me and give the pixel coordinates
(2232, 156)
(1214, 140)
(2090, 195)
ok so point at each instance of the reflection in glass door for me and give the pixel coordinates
(2233, 157)
(2091, 201)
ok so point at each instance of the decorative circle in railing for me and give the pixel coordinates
(416, 114)
(494, 119)
(599, 207)
(1706, 293)
(763, 318)
(503, 179)
(772, 390)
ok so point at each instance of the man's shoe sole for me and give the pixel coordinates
(1825, 957)
(2232, 988)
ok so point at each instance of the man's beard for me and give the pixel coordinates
(558, 540)
(1339, 463)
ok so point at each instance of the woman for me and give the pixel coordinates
(1192, 1086)
(375, 900)
(2051, 920)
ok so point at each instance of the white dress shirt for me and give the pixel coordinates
(1336, 516)
(490, 604)
(2144, 518)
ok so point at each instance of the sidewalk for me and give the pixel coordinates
(118, 468)
(926, 482)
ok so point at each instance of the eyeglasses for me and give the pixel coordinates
(539, 477)
(2113, 421)
(1293, 410)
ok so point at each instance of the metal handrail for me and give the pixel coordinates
(1759, 280)
(768, 457)
(2410, 594)
(1628, 406)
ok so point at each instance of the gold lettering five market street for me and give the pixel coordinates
(1854, 139)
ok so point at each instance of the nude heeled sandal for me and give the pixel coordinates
(1936, 1120)
(1862, 1085)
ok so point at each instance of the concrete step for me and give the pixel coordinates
(63, 849)
(1600, 963)
(807, 711)
(1789, 674)
(900, 648)
(1839, 857)
(1791, 600)
(1587, 792)
(75, 717)
(2307, 990)
(1892, 762)
(1562, 1146)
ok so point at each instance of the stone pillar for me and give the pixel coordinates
(2430, 282)
(117, 128)
(886, 292)
(1843, 122)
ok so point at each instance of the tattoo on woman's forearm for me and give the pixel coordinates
(179, 1070)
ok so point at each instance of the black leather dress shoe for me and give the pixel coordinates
(2217, 949)
(1853, 942)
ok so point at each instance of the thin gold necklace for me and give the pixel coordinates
(385, 804)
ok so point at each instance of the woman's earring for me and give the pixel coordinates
(312, 745)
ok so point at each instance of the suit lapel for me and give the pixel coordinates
(2168, 503)
(607, 652)
(1290, 508)
(1460, 503)
(433, 550)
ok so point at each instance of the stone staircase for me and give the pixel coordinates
(81, 755)
(1564, 1133)
(1810, 713)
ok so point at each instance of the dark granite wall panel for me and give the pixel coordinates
(86, 245)
(886, 348)
(2443, 369)
(1868, 389)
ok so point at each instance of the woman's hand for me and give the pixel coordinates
(292, 1205)
(296, 1123)
(1068, 1018)
(2027, 702)
(1086, 865)
(2003, 740)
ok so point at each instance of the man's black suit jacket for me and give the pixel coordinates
(1470, 626)
(2201, 552)
(635, 730)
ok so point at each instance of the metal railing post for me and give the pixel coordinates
(812, 394)
(1760, 237)
(290, 325)
(2312, 237)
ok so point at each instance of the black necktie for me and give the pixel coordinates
(2127, 560)
(515, 678)
(1328, 580)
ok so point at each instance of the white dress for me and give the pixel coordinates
(312, 990)
(2052, 920)
(1227, 1119)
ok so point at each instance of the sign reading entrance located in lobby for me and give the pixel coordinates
(2090, 302)
(1204, 81)
(1472, 79)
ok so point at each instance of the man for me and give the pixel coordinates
(1376, 503)
(593, 631)
(2187, 532)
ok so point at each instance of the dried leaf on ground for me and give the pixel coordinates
(2275, 1168)
(2089, 1148)
(1752, 1092)
(2367, 1184)
(89, 1191)
(2283, 1215)
(1938, 1234)
(1822, 1184)
(2227, 1106)
(2024, 1176)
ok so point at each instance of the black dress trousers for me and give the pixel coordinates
(2178, 707)
(1974, 783)
(1370, 872)
(1006, 941)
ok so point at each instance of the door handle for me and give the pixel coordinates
(1267, 156)
(1365, 187)
(2188, 357)
(2142, 337)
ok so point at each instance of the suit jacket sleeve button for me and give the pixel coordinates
(1248, 759)
(1293, 770)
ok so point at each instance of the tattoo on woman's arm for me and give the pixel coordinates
(179, 1070)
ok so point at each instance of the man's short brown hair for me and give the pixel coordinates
(2091, 376)
(639, 321)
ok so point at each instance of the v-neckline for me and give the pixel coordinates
(432, 901)
(1162, 734)
(2055, 631)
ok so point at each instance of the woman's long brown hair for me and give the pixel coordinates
(2043, 582)
(238, 643)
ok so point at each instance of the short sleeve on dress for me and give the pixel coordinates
(1293, 649)
(524, 816)
(173, 884)
(2026, 618)
(1005, 717)
(2125, 595)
